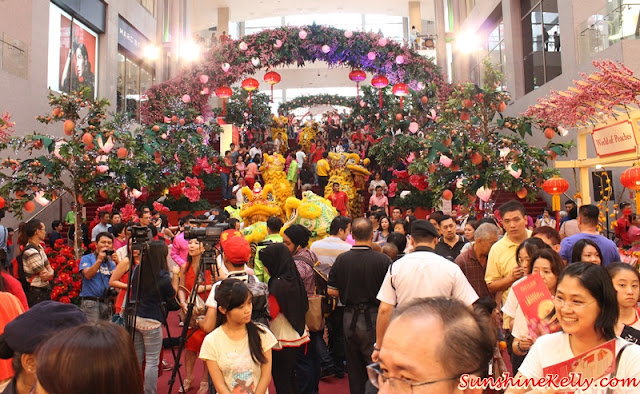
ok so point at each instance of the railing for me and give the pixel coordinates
(608, 26)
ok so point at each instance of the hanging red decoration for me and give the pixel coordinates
(272, 78)
(630, 179)
(224, 92)
(401, 90)
(250, 84)
(380, 82)
(555, 186)
(357, 76)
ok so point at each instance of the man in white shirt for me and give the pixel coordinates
(300, 156)
(254, 151)
(421, 273)
(327, 250)
(102, 227)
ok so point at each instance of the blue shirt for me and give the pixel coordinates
(95, 286)
(608, 248)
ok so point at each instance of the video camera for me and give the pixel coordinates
(209, 235)
(139, 237)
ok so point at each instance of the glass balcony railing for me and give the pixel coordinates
(615, 22)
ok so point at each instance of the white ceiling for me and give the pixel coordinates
(205, 12)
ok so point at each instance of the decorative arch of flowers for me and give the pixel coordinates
(319, 99)
(230, 61)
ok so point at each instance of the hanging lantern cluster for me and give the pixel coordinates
(630, 179)
(272, 78)
(357, 76)
(250, 84)
(224, 92)
(380, 82)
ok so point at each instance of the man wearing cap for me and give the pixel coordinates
(235, 254)
(355, 278)
(96, 268)
(421, 273)
(25, 333)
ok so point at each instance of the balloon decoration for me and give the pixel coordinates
(484, 193)
(250, 84)
(401, 90)
(380, 82)
(357, 76)
(272, 78)
(224, 92)
(630, 179)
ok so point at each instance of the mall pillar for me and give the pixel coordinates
(415, 16)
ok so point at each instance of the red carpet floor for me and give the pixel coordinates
(327, 386)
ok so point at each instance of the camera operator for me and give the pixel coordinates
(96, 295)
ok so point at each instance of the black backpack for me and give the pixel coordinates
(329, 302)
(22, 276)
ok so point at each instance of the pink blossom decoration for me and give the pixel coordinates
(204, 78)
(39, 198)
(514, 173)
(167, 120)
(393, 188)
(225, 67)
(192, 193)
(186, 98)
(204, 91)
(278, 43)
(371, 55)
(302, 34)
(159, 207)
(326, 49)
(243, 46)
(445, 161)
(363, 104)
(382, 41)
(484, 193)
(399, 59)
(128, 213)
(348, 33)
(413, 127)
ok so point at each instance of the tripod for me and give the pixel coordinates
(207, 260)
(131, 303)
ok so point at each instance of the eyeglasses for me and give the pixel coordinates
(397, 385)
(571, 304)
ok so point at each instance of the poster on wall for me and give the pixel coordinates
(73, 52)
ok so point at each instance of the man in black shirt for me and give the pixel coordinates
(356, 277)
(451, 243)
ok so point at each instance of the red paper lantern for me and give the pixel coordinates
(224, 92)
(272, 78)
(357, 76)
(630, 179)
(380, 82)
(555, 186)
(401, 90)
(250, 84)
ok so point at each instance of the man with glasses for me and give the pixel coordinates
(460, 342)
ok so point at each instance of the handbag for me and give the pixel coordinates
(313, 317)
(199, 308)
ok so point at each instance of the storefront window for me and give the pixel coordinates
(540, 42)
(493, 50)
(133, 81)
(149, 5)
(73, 59)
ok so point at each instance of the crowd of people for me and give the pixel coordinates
(390, 277)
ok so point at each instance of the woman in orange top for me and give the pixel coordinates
(188, 275)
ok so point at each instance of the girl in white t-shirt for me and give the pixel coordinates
(626, 281)
(238, 351)
(586, 305)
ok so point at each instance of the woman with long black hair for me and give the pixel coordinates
(288, 305)
(238, 351)
(156, 287)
